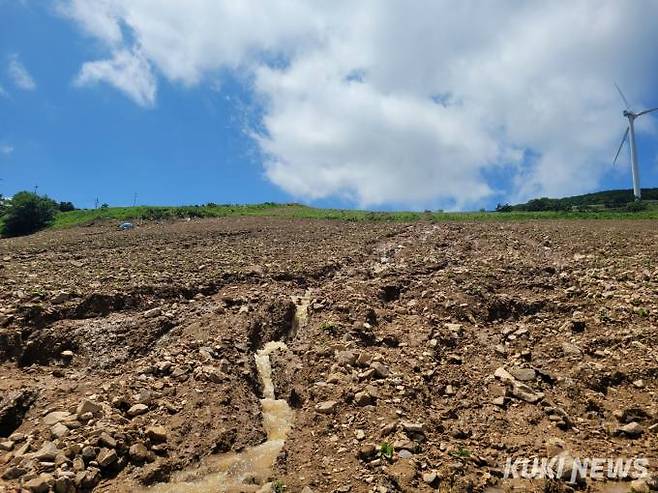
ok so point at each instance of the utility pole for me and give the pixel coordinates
(36, 188)
(135, 199)
(96, 205)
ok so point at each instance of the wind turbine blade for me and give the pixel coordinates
(628, 106)
(646, 111)
(623, 139)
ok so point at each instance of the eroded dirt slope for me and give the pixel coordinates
(429, 353)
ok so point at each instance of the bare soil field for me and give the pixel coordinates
(408, 357)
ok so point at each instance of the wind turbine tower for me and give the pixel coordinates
(628, 113)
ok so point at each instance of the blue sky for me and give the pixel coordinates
(97, 103)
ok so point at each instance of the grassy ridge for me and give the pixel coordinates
(81, 217)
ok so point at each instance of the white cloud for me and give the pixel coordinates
(19, 74)
(128, 71)
(6, 149)
(400, 102)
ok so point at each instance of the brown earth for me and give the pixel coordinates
(453, 346)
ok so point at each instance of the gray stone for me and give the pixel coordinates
(56, 417)
(59, 430)
(326, 407)
(87, 406)
(523, 374)
(153, 312)
(381, 369)
(47, 452)
(106, 457)
(107, 441)
(525, 393)
(40, 484)
(631, 430)
(137, 410)
(13, 472)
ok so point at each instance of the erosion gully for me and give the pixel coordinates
(251, 469)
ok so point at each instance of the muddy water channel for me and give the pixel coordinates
(251, 469)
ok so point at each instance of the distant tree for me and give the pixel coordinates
(503, 208)
(4, 205)
(105, 206)
(28, 213)
(636, 206)
(66, 207)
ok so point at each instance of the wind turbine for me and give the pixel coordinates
(628, 113)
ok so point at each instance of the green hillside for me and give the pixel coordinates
(620, 200)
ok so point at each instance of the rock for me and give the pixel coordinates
(570, 349)
(523, 374)
(106, 457)
(88, 479)
(64, 484)
(640, 486)
(78, 464)
(59, 430)
(88, 453)
(18, 437)
(13, 407)
(631, 430)
(525, 393)
(364, 359)
(429, 477)
(56, 417)
(67, 355)
(454, 359)
(156, 434)
(106, 440)
(503, 375)
(345, 358)
(47, 452)
(13, 472)
(363, 398)
(40, 484)
(381, 370)
(137, 410)
(306, 489)
(499, 401)
(413, 427)
(139, 453)
(87, 406)
(326, 407)
(153, 312)
(7, 445)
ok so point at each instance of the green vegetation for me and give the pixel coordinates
(461, 453)
(386, 450)
(278, 486)
(611, 200)
(297, 211)
(27, 213)
(602, 205)
(329, 327)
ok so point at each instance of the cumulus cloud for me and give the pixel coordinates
(386, 101)
(19, 74)
(128, 71)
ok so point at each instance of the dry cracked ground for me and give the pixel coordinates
(429, 354)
